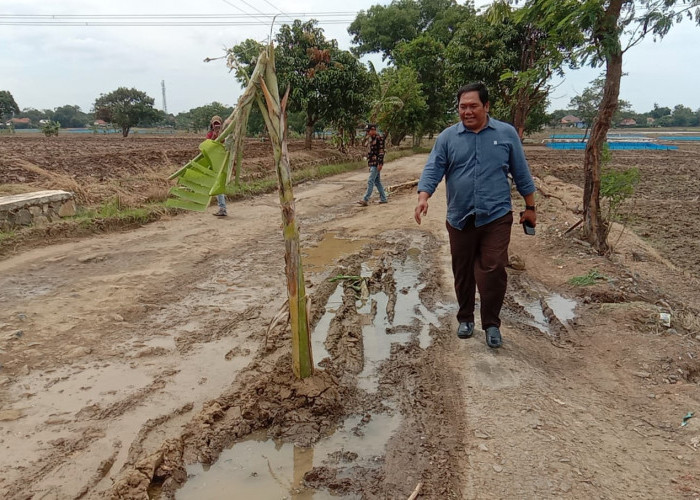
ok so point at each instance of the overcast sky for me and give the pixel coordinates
(51, 66)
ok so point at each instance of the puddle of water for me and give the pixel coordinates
(408, 312)
(320, 333)
(377, 344)
(262, 468)
(329, 249)
(67, 390)
(562, 307)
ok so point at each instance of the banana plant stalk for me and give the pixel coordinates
(209, 173)
(273, 112)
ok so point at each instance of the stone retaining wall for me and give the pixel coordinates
(38, 208)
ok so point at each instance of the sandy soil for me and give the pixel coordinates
(132, 361)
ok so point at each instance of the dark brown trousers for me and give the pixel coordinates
(479, 259)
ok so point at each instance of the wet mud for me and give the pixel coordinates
(156, 362)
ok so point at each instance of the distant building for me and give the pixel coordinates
(571, 121)
(99, 123)
(628, 122)
(19, 122)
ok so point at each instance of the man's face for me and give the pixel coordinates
(372, 132)
(472, 112)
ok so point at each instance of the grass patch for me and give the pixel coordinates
(111, 209)
(7, 236)
(591, 278)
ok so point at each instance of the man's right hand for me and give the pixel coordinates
(422, 207)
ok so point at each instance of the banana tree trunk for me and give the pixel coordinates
(276, 122)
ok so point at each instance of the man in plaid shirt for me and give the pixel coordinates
(375, 162)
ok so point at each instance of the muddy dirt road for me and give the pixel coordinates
(132, 361)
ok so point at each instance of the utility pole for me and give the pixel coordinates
(165, 106)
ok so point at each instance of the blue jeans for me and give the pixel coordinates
(221, 201)
(374, 180)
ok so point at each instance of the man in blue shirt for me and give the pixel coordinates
(475, 156)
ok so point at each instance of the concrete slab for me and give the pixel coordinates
(18, 201)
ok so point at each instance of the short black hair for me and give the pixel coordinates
(474, 87)
(371, 126)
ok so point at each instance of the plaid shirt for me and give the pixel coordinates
(375, 156)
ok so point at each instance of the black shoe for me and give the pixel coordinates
(465, 330)
(493, 337)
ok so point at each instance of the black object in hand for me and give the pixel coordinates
(527, 227)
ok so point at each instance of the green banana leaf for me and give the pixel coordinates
(201, 178)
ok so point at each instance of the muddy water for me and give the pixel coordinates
(262, 468)
(79, 393)
(320, 332)
(329, 249)
(562, 307)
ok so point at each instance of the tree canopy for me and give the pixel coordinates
(399, 121)
(415, 33)
(71, 117)
(588, 102)
(198, 118)
(8, 106)
(325, 83)
(126, 108)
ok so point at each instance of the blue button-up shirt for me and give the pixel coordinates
(476, 167)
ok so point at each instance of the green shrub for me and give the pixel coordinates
(50, 128)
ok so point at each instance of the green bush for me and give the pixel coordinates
(50, 128)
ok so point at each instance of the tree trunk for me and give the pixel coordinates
(309, 133)
(125, 131)
(396, 139)
(522, 108)
(594, 225)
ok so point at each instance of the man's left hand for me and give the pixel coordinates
(379, 167)
(530, 216)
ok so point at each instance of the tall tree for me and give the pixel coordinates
(126, 108)
(683, 116)
(415, 33)
(513, 55)
(426, 55)
(303, 55)
(326, 83)
(399, 121)
(347, 99)
(8, 106)
(71, 116)
(658, 112)
(611, 28)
